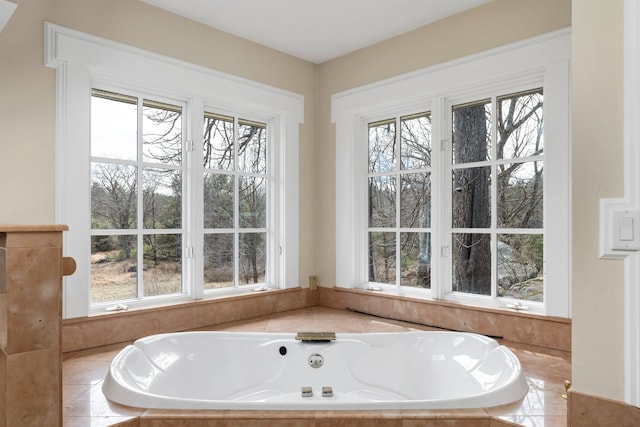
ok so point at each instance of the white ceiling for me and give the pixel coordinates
(316, 30)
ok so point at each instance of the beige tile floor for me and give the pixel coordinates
(84, 405)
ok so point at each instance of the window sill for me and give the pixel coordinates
(225, 295)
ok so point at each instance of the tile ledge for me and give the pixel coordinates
(431, 301)
(176, 305)
(32, 228)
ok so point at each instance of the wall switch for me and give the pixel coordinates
(625, 233)
(313, 283)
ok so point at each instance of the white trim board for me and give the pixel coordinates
(610, 208)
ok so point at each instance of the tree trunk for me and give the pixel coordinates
(472, 252)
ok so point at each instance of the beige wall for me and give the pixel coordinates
(27, 93)
(597, 155)
(27, 120)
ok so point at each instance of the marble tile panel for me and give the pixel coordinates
(362, 420)
(292, 299)
(293, 321)
(33, 300)
(179, 318)
(86, 334)
(456, 422)
(245, 307)
(51, 239)
(550, 368)
(95, 404)
(291, 421)
(594, 411)
(185, 422)
(3, 388)
(460, 319)
(3, 269)
(327, 297)
(414, 311)
(513, 328)
(260, 325)
(530, 421)
(87, 370)
(132, 325)
(101, 422)
(210, 312)
(72, 392)
(443, 414)
(34, 388)
(551, 334)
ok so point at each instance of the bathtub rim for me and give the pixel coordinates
(518, 383)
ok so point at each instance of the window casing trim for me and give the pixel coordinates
(81, 60)
(542, 61)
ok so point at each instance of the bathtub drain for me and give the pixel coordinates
(315, 360)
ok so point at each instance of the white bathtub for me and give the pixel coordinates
(267, 371)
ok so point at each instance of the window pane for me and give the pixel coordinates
(252, 258)
(162, 272)
(382, 201)
(382, 146)
(520, 195)
(114, 126)
(382, 257)
(113, 268)
(218, 201)
(415, 142)
(253, 202)
(472, 263)
(520, 266)
(218, 261)
(162, 198)
(416, 259)
(472, 132)
(162, 133)
(252, 147)
(471, 198)
(218, 142)
(415, 200)
(113, 196)
(520, 125)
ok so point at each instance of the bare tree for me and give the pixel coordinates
(114, 199)
(472, 251)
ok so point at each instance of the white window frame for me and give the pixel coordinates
(81, 61)
(543, 61)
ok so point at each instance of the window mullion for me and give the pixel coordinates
(494, 197)
(193, 203)
(140, 203)
(236, 206)
(441, 194)
(398, 180)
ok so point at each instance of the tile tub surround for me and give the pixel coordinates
(85, 405)
(512, 325)
(111, 328)
(31, 270)
(594, 411)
